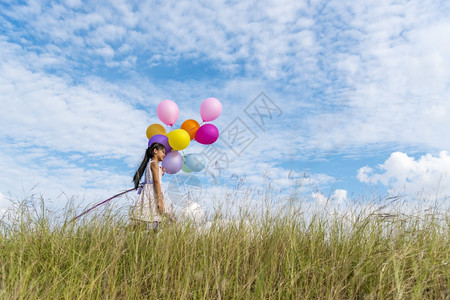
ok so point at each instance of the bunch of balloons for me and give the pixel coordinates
(179, 139)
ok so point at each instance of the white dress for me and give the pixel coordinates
(146, 209)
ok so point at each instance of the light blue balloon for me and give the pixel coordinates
(196, 162)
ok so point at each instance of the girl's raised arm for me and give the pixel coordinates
(155, 171)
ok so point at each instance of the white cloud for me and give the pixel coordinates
(48, 111)
(106, 52)
(4, 202)
(73, 3)
(339, 197)
(261, 36)
(50, 127)
(397, 77)
(319, 198)
(424, 177)
(36, 172)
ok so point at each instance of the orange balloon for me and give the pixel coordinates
(155, 129)
(191, 126)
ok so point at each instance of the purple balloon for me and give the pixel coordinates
(162, 139)
(173, 162)
(207, 134)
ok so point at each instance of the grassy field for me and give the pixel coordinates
(280, 255)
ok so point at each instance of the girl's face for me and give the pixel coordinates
(160, 154)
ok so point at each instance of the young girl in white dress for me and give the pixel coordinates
(151, 207)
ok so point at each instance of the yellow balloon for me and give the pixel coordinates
(179, 139)
(155, 129)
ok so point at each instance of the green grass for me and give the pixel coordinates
(266, 256)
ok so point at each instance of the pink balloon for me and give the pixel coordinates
(168, 112)
(211, 109)
(207, 134)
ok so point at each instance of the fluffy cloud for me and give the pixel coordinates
(44, 110)
(56, 134)
(339, 197)
(238, 36)
(3, 201)
(426, 176)
(395, 78)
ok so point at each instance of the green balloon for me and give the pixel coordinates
(185, 168)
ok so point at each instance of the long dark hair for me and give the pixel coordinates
(148, 155)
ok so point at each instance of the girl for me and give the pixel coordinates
(151, 206)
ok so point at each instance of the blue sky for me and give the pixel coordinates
(362, 90)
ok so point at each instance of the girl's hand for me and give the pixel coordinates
(163, 170)
(160, 205)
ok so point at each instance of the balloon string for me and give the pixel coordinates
(103, 202)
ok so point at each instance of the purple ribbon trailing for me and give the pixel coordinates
(111, 198)
(103, 202)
